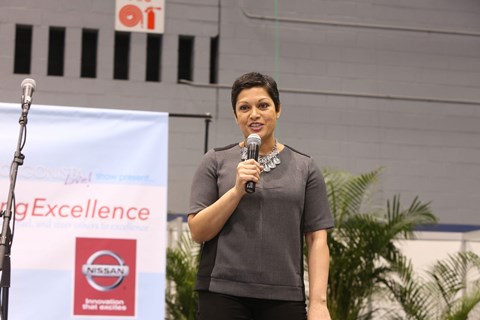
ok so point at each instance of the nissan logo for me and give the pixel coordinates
(92, 270)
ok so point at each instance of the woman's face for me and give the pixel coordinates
(255, 113)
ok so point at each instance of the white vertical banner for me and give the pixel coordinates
(90, 222)
(140, 16)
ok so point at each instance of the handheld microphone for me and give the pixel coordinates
(28, 87)
(253, 147)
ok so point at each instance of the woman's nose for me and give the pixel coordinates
(254, 112)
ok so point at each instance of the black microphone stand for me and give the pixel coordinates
(6, 235)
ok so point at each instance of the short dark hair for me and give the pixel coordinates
(253, 80)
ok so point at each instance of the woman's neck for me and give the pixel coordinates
(265, 147)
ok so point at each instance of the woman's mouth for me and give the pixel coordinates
(256, 126)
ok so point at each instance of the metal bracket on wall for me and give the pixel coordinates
(208, 118)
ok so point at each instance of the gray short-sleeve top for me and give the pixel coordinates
(259, 251)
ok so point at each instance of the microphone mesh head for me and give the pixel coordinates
(254, 139)
(27, 82)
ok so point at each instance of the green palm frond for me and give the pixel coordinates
(466, 305)
(442, 294)
(362, 245)
(403, 222)
(182, 265)
(347, 192)
(415, 302)
(449, 280)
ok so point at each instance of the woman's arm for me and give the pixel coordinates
(318, 266)
(207, 223)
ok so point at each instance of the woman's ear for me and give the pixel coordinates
(279, 111)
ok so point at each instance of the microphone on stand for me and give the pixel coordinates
(253, 147)
(6, 233)
(28, 87)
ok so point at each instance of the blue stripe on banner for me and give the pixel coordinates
(87, 144)
(58, 303)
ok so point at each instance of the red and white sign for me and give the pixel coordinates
(105, 277)
(140, 16)
(90, 227)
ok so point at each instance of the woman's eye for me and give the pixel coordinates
(243, 108)
(263, 105)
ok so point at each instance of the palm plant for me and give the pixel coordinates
(182, 265)
(362, 245)
(450, 290)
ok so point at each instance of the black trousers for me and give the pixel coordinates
(216, 306)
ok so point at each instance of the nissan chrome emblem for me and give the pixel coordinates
(92, 270)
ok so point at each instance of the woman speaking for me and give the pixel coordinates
(251, 264)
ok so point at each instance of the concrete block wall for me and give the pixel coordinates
(427, 148)
(389, 84)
